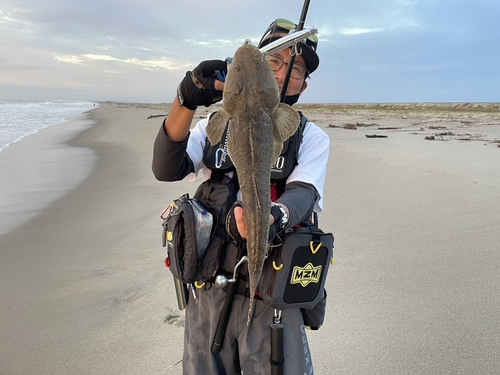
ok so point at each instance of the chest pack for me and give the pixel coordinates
(217, 159)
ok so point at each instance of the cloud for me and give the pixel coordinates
(11, 23)
(211, 42)
(147, 64)
(357, 31)
(105, 47)
(92, 56)
(69, 59)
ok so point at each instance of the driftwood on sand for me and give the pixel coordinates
(154, 116)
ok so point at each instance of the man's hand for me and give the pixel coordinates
(200, 87)
(237, 217)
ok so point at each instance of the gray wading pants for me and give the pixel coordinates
(245, 349)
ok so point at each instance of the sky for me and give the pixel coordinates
(371, 51)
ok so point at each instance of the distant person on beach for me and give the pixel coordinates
(296, 189)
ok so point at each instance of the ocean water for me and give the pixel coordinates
(37, 166)
(19, 119)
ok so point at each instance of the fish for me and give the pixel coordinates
(258, 126)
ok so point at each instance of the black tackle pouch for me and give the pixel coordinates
(294, 273)
(194, 230)
(314, 318)
(187, 228)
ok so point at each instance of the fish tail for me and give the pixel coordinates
(250, 309)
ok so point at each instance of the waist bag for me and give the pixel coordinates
(194, 231)
(187, 230)
(294, 274)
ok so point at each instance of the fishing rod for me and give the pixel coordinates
(277, 344)
(300, 27)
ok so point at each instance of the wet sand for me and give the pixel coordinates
(414, 289)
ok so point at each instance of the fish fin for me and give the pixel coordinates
(286, 121)
(216, 126)
(278, 147)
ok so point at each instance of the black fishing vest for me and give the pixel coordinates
(217, 159)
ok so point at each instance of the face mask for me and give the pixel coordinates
(291, 99)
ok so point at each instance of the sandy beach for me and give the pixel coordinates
(413, 199)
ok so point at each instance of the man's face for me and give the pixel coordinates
(295, 86)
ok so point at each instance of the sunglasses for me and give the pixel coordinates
(284, 24)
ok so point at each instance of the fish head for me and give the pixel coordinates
(250, 81)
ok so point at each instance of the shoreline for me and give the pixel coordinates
(36, 172)
(84, 288)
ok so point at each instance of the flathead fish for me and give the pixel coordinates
(258, 126)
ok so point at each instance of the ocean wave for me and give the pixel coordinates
(19, 119)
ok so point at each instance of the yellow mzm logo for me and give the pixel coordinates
(305, 275)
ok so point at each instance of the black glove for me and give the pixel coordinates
(197, 87)
(277, 224)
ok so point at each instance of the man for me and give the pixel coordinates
(179, 154)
